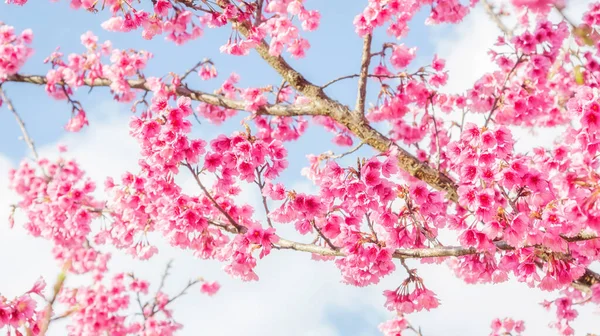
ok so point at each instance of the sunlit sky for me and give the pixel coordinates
(295, 296)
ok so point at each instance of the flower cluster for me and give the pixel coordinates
(529, 94)
(507, 326)
(21, 311)
(394, 327)
(101, 308)
(69, 75)
(404, 301)
(399, 12)
(58, 201)
(14, 50)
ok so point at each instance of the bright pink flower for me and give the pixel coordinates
(210, 289)
(402, 56)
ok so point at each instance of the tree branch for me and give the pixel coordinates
(361, 128)
(212, 99)
(259, 7)
(417, 253)
(321, 105)
(364, 72)
(357, 124)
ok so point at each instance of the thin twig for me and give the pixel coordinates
(261, 186)
(21, 123)
(62, 316)
(564, 16)
(165, 275)
(184, 91)
(279, 91)
(496, 18)
(367, 215)
(437, 136)
(339, 156)
(327, 241)
(199, 64)
(180, 294)
(496, 103)
(232, 221)
(416, 331)
(400, 75)
(139, 301)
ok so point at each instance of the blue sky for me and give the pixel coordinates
(295, 296)
(332, 54)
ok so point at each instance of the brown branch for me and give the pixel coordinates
(212, 99)
(279, 91)
(62, 316)
(325, 106)
(137, 293)
(370, 225)
(564, 16)
(580, 237)
(259, 7)
(436, 252)
(587, 280)
(496, 18)
(364, 72)
(360, 127)
(191, 4)
(21, 123)
(354, 122)
(415, 330)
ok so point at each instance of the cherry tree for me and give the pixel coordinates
(443, 182)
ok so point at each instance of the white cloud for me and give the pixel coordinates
(291, 298)
(466, 48)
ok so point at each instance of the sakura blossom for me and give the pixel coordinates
(418, 175)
